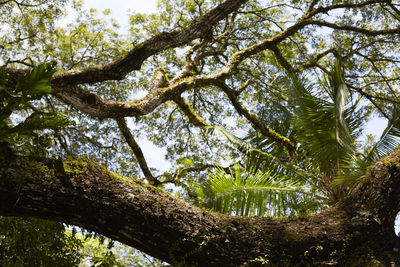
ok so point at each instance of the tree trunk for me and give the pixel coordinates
(359, 231)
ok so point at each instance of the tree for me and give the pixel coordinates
(205, 67)
(36, 243)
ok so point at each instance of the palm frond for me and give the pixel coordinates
(321, 125)
(340, 98)
(246, 191)
(389, 141)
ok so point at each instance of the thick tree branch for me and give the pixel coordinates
(80, 192)
(119, 68)
(92, 104)
(96, 106)
(65, 85)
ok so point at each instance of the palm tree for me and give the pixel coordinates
(323, 118)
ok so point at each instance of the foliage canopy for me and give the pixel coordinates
(260, 106)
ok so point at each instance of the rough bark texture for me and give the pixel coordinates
(358, 231)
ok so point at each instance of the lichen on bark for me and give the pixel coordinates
(356, 231)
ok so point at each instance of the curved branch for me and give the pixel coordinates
(188, 111)
(353, 28)
(257, 123)
(71, 93)
(123, 127)
(65, 85)
(80, 192)
(326, 9)
(119, 68)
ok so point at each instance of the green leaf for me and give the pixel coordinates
(36, 83)
(325, 127)
(38, 121)
(245, 191)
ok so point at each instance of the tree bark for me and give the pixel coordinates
(357, 231)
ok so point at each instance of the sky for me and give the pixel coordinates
(119, 8)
